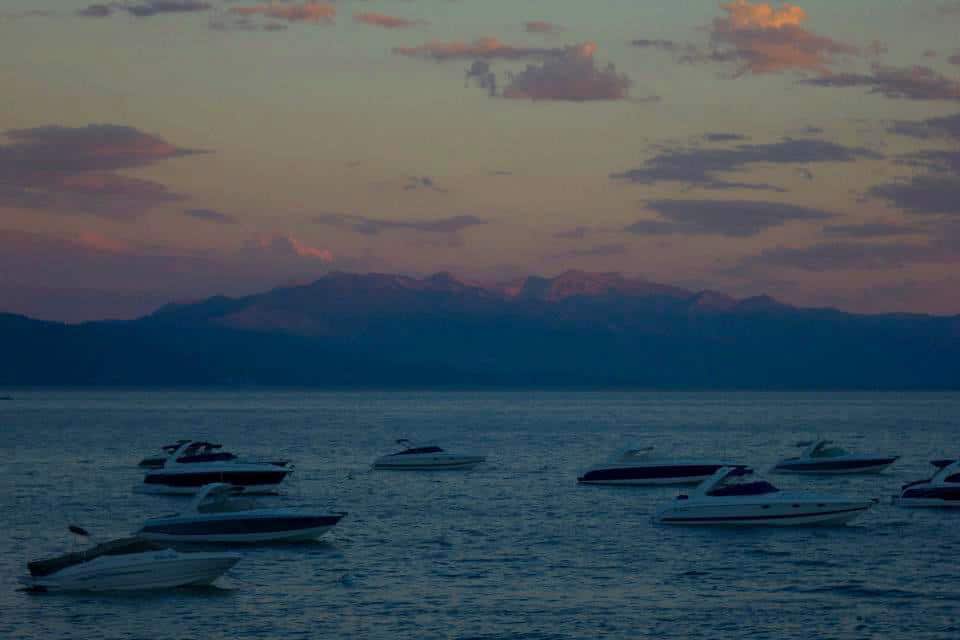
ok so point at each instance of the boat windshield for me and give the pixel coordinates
(825, 451)
(414, 450)
(121, 547)
(757, 488)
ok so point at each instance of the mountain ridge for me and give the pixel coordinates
(574, 330)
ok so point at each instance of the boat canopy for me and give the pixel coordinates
(119, 547)
(757, 488)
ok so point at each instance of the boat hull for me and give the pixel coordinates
(926, 503)
(770, 515)
(240, 528)
(921, 495)
(156, 570)
(650, 475)
(257, 481)
(426, 462)
(832, 467)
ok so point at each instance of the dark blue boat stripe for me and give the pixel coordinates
(834, 465)
(651, 473)
(939, 493)
(241, 526)
(774, 517)
(423, 465)
(245, 478)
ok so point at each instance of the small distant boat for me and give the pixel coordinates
(221, 513)
(940, 490)
(126, 564)
(190, 451)
(425, 458)
(721, 500)
(640, 467)
(819, 457)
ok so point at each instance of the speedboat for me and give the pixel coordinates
(640, 467)
(186, 477)
(724, 500)
(820, 457)
(422, 458)
(126, 564)
(189, 451)
(221, 513)
(940, 490)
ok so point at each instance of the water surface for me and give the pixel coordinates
(512, 549)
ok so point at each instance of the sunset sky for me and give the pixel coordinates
(173, 149)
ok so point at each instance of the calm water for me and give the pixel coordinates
(512, 549)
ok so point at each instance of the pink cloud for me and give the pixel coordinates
(284, 245)
(768, 39)
(384, 20)
(480, 48)
(311, 12)
(541, 26)
(99, 242)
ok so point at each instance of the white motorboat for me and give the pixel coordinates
(940, 490)
(194, 451)
(424, 458)
(819, 457)
(126, 564)
(722, 500)
(221, 513)
(186, 477)
(641, 467)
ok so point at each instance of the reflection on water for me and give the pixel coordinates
(512, 548)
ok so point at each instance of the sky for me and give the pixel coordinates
(168, 150)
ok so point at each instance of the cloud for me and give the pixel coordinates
(763, 38)
(145, 8)
(315, 12)
(99, 242)
(210, 215)
(483, 48)
(596, 251)
(925, 194)
(904, 83)
(724, 137)
(947, 127)
(541, 26)
(842, 256)
(286, 246)
(871, 230)
(670, 46)
(572, 76)
(90, 275)
(700, 167)
(96, 11)
(936, 161)
(231, 22)
(577, 233)
(385, 21)
(373, 226)
(422, 182)
(731, 218)
(72, 169)
(480, 73)
(150, 8)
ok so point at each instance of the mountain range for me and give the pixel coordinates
(584, 330)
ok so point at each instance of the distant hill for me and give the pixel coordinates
(575, 330)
